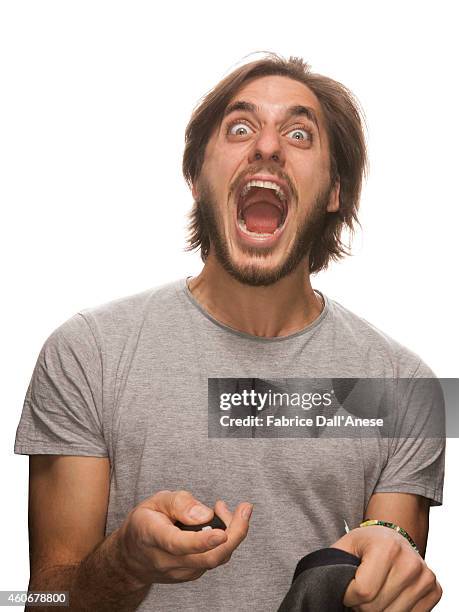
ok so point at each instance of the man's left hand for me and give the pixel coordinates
(392, 576)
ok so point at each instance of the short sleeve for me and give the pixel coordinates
(62, 411)
(416, 457)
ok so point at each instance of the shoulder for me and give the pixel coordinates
(373, 348)
(118, 319)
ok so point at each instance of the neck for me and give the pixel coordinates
(279, 309)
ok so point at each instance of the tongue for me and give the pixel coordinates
(262, 217)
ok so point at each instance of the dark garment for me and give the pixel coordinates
(320, 581)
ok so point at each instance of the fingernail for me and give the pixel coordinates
(247, 512)
(198, 512)
(224, 505)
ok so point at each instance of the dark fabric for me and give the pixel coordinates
(325, 556)
(320, 581)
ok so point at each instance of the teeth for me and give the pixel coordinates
(267, 185)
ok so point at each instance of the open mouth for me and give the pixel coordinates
(262, 208)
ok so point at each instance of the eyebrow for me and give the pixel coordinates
(292, 111)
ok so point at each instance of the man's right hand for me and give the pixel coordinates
(154, 550)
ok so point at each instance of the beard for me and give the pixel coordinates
(253, 274)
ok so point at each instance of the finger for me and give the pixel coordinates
(169, 568)
(180, 506)
(237, 528)
(236, 533)
(372, 574)
(418, 595)
(181, 575)
(222, 510)
(430, 601)
(402, 585)
(157, 530)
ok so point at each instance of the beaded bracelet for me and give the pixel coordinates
(397, 528)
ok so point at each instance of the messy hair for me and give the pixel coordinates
(344, 121)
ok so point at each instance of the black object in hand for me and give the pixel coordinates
(215, 523)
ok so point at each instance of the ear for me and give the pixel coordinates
(333, 201)
(194, 192)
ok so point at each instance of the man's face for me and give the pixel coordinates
(264, 188)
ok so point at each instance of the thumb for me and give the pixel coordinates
(180, 506)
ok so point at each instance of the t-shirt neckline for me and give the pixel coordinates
(305, 330)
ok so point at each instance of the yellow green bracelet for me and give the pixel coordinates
(396, 528)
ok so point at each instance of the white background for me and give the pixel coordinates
(94, 100)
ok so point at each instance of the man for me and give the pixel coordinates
(116, 419)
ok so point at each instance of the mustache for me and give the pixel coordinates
(260, 169)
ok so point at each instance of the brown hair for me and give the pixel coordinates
(348, 155)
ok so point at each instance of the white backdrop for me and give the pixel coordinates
(94, 100)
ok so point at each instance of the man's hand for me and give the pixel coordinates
(155, 551)
(392, 576)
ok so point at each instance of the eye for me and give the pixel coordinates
(239, 129)
(300, 134)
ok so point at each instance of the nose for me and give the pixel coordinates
(267, 147)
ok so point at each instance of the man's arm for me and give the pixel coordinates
(404, 509)
(392, 575)
(68, 499)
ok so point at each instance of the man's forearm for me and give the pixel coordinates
(101, 581)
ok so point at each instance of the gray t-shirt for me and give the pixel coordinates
(129, 380)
